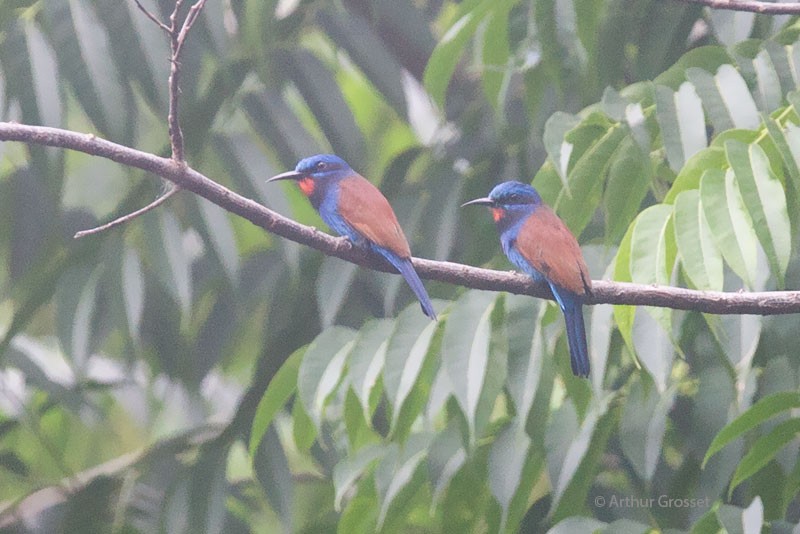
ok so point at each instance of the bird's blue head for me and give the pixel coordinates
(509, 200)
(315, 170)
(323, 166)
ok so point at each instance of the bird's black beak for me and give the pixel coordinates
(486, 201)
(289, 175)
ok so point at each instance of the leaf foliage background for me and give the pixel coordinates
(666, 137)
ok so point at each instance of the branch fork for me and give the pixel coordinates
(177, 32)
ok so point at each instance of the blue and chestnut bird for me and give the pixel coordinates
(356, 209)
(538, 242)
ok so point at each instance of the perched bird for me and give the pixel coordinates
(355, 208)
(538, 242)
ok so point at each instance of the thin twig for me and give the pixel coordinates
(152, 17)
(173, 83)
(130, 216)
(191, 17)
(603, 291)
(753, 6)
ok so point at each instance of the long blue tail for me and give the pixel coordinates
(412, 278)
(572, 308)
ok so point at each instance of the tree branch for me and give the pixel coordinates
(604, 292)
(753, 6)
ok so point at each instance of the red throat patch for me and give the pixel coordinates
(498, 213)
(306, 186)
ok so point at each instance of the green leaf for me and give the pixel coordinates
(577, 205)
(209, 491)
(577, 525)
(465, 350)
(765, 200)
(303, 430)
(712, 157)
(680, 116)
(559, 150)
(733, 231)
(274, 476)
(94, 48)
(132, 290)
(396, 471)
(760, 412)
(170, 263)
(726, 98)
(347, 472)
(764, 450)
(643, 425)
(700, 257)
(223, 240)
(321, 369)
(613, 104)
(769, 93)
(654, 345)
(367, 50)
(495, 54)
(708, 58)
(731, 27)
(734, 520)
(637, 122)
(629, 179)
(526, 353)
(42, 96)
(451, 46)
(652, 246)
(324, 97)
(367, 359)
(446, 456)
(788, 144)
(601, 328)
(60, 30)
(333, 285)
(360, 516)
(506, 465)
(652, 260)
(571, 453)
(278, 392)
(405, 355)
(76, 300)
(125, 46)
(624, 315)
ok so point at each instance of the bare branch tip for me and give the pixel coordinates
(130, 216)
(152, 17)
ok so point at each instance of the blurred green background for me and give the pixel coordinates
(134, 364)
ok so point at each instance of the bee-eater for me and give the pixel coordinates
(355, 208)
(538, 242)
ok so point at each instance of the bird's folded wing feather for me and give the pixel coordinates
(552, 250)
(364, 207)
